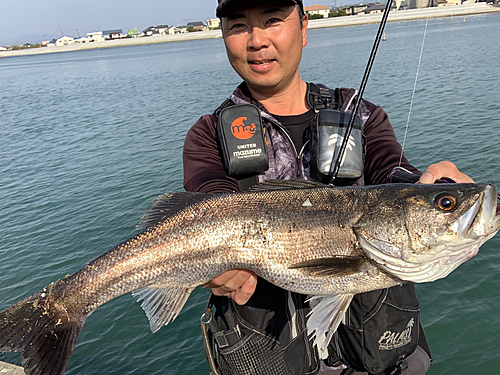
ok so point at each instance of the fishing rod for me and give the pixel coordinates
(398, 174)
(335, 165)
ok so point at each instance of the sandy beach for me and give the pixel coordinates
(394, 16)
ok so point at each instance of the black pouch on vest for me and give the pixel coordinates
(257, 337)
(327, 135)
(381, 329)
(242, 141)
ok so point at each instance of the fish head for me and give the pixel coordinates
(421, 233)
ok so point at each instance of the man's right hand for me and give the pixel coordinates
(237, 284)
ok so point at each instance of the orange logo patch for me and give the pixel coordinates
(241, 130)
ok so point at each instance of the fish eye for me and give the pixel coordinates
(446, 202)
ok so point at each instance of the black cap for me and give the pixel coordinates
(224, 5)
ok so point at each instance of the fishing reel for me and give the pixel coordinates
(402, 175)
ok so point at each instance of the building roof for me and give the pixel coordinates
(374, 7)
(316, 7)
(114, 31)
(197, 23)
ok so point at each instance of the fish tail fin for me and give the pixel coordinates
(43, 331)
(323, 320)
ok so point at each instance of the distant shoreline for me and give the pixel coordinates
(362, 19)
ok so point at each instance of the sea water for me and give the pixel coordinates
(88, 139)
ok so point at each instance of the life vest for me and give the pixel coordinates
(268, 334)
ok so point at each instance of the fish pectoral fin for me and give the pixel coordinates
(332, 266)
(166, 205)
(325, 317)
(162, 304)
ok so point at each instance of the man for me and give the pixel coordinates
(264, 41)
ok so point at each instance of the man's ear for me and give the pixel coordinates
(305, 22)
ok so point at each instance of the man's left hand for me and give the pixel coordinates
(443, 169)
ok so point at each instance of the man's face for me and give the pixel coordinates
(264, 45)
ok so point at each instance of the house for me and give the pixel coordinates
(112, 34)
(374, 8)
(443, 3)
(151, 30)
(317, 9)
(156, 30)
(83, 39)
(132, 33)
(416, 4)
(174, 30)
(65, 41)
(3, 48)
(95, 37)
(213, 24)
(162, 29)
(198, 25)
(352, 10)
(400, 4)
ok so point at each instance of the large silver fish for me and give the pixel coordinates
(321, 241)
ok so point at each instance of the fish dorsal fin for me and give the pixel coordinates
(287, 184)
(324, 319)
(162, 304)
(166, 205)
(333, 266)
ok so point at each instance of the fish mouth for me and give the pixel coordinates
(479, 224)
(488, 218)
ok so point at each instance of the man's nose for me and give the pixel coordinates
(258, 39)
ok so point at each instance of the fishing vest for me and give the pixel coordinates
(268, 334)
(284, 162)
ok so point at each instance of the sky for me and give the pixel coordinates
(29, 21)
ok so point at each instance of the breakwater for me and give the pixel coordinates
(8, 369)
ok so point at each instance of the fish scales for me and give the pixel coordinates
(331, 242)
(165, 254)
(265, 243)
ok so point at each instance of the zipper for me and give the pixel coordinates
(284, 132)
(298, 155)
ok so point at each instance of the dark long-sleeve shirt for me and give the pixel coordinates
(204, 171)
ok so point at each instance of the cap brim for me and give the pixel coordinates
(232, 6)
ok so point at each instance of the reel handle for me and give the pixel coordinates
(402, 175)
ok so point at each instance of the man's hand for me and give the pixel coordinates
(443, 169)
(237, 284)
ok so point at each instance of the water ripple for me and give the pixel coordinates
(90, 138)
